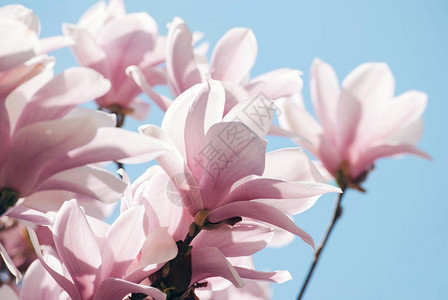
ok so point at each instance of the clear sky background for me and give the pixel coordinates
(392, 242)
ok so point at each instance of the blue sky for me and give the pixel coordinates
(392, 242)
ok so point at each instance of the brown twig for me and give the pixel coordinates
(336, 215)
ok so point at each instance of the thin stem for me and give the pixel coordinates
(119, 165)
(336, 215)
(120, 120)
(120, 123)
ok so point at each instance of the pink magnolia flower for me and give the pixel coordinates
(108, 40)
(47, 143)
(21, 52)
(91, 257)
(231, 62)
(359, 123)
(218, 164)
(223, 251)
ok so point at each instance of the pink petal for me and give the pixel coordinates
(289, 197)
(324, 89)
(154, 75)
(276, 84)
(127, 200)
(238, 240)
(18, 98)
(16, 77)
(231, 152)
(162, 101)
(133, 34)
(253, 290)
(291, 206)
(204, 112)
(10, 264)
(349, 116)
(94, 17)
(276, 277)
(179, 174)
(234, 55)
(175, 117)
(136, 149)
(28, 214)
(17, 43)
(278, 131)
(60, 95)
(210, 262)
(126, 40)
(116, 8)
(261, 212)
(159, 247)
(99, 228)
(171, 161)
(281, 238)
(38, 284)
(156, 57)
(99, 118)
(21, 13)
(7, 292)
(383, 150)
(54, 43)
(182, 70)
(370, 82)
(91, 181)
(291, 164)
(235, 93)
(141, 274)
(267, 188)
(36, 146)
(46, 201)
(117, 289)
(124, 240)
(256, 113)
(366, 92)
(294, 117)
(395, 114)
(65, 283)
(409, 134)
(77, 248)
(86, 49)
(328, 154)
(169, 202)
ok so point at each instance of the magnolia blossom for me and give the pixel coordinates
(90, 258)
(108, 40)
(231, 62)
(47, 143)
(215, 253)
(359, 123)
(21, 52)
(218, 164)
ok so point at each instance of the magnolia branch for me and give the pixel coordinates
(336, 216)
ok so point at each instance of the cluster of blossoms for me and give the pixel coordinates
(188, 227)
